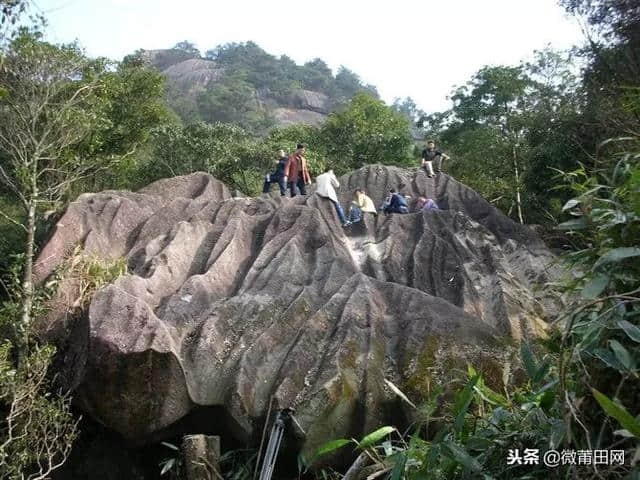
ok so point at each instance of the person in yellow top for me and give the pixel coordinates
(360, 205)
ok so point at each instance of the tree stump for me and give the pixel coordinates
(201, 457)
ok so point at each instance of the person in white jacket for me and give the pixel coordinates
(325, 187)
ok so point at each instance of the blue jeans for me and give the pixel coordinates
(339, 211)
(396, 209)
(355, 214)
(269, 179)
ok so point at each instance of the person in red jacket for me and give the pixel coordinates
(297, 173)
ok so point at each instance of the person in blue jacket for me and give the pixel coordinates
(277, 176)
(395, 203)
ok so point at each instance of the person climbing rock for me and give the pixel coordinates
(296, 172)
(277, 176)
(426, 204)
(325, 187)
(360, 205)
(430, 156)
(395, 203)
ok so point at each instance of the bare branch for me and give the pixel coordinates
(12, 220)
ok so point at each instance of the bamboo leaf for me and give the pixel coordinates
(595, 286)
(630, 329)
(570, 204)
(398, 469)
(463, 401)
(617, 411)
(167, 466)
(573, 224)
(541, 372)
(375, 437)
(616, 255)
(609, 358)
(622, 355)
(461, 456)
(399, 392)
(330, 447)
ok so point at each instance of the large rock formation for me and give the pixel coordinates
(189, 75)
(229, 301)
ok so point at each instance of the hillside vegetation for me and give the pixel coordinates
(241, 83)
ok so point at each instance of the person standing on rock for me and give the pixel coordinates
(277, 176)
(296, 172)
(430, 156)
(325, 187)
(360, 205)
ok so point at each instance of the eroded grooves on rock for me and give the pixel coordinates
(232, 300)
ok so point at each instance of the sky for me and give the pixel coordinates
(416, 48)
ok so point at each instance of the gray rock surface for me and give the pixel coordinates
(293, 116)
(230, 301)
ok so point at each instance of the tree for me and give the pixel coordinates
(225, 151)
(317, 76)
(366, 131)
(611, 79)
(10, 12)
(233, 100)
(63, 119)
(496, 101)
(188, 47)
(39, 430)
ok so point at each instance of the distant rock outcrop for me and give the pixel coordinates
(188, 75)
(231, 301)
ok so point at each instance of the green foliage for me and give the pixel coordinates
(366, 132)
(617, 411)
(86, 111)
(173, 465)
(89, 273)
(225, 151)
(286, 138)
(375, 437)
(508, 127)
(474, 435)
(37, 428)
(238, 464)
(233, 100)
(367, 129)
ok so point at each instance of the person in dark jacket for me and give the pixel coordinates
(432, 158)
(297, 173)
(277, 176)
(395, 203)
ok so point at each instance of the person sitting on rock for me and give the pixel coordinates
(296, 172)
(426, 204)
(397, 203)
(325, 187)
(431, 155)
(360, 205)
(277, 176)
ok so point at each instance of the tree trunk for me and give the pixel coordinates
(517, 173)
(27, 276)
